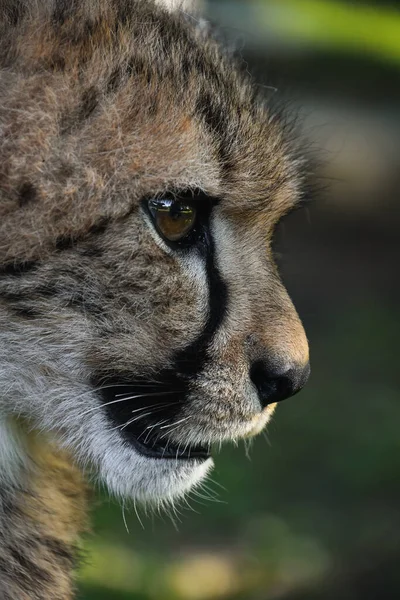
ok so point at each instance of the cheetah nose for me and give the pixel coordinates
(274, 384)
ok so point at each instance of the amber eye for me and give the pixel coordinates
(173, 218)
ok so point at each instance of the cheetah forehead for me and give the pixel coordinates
(102, 103)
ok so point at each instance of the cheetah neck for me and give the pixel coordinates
(42, 515)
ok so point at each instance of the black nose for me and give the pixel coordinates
(274, 385)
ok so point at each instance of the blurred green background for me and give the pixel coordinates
(312, 510)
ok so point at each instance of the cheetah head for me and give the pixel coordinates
(142, 318)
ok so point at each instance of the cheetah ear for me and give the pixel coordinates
(191, 6)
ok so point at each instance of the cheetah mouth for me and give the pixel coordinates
(170, 450)
(146, 413)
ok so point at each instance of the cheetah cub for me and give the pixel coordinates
(142, 318)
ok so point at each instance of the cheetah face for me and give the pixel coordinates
(220, 343)
(140, 352)
(142, 318)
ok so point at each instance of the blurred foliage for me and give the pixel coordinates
(343, 26)
(356, 28)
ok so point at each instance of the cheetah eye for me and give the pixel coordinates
(173, 218)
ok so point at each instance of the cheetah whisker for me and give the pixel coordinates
(176, 422)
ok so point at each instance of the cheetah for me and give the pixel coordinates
(142, 317)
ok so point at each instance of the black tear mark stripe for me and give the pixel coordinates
(191, 360)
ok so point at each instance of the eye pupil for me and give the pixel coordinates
(173, 218)
(176, 211)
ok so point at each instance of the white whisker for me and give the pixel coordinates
(150, 428)
(102, 405)
(145, 394)
(137, 514)
(175, 423)
(211, 480)
(148, 395)
(156, 424)
(121, 427)
(124, 518)
(166, 434)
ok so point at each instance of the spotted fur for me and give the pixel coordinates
(40, 517)
(104, 104)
